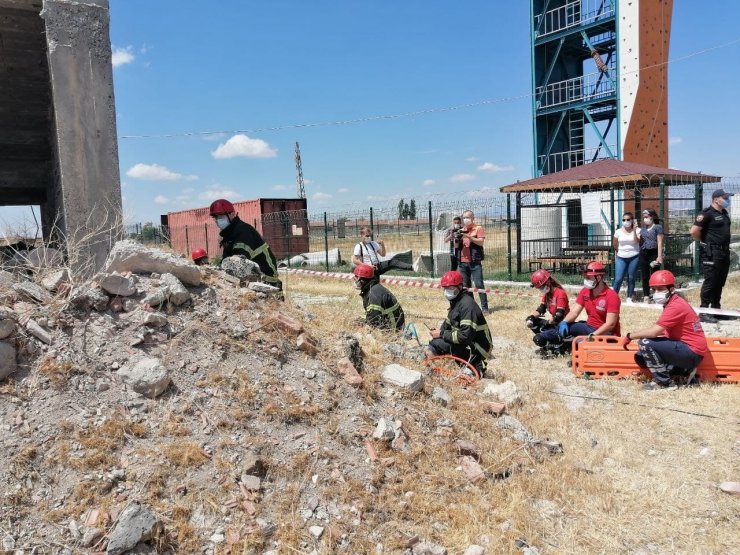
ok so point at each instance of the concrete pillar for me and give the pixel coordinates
(84, 203)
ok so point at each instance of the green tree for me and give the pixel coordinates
(148, 232)
(412, 210)
(401, 206)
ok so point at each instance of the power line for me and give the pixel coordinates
(411, 114)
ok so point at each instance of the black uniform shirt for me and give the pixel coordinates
(715, 226)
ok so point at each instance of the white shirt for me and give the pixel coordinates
(628, 245)
(368, 252)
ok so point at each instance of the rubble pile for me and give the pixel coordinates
(161, 408)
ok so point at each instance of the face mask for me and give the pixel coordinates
(627, 225)
(451, 293)
(456, 226)
(366, 240)
(661, 297)
(467, 221)
(357, 284)
(725, 203)
(589, 283)
(647, 221)
(222, 222)
(545, 290)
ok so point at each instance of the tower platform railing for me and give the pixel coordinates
(558, 161)
(592, 86)
(573, 14)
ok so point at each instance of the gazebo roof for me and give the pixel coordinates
(603, 174)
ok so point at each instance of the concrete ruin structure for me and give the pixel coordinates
(58, 143)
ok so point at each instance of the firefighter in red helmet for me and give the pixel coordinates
(465, 332)
(555, 302)
(382, 310)
(602, 306)
(200, 257)
(673, 346)
(240, 238)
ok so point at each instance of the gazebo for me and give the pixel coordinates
(567, 218)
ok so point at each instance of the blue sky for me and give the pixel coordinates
(246, 65)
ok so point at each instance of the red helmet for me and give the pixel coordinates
(451, 279)
(364, 271)
(662, 278)
(594, 268)
(198, 253)
(540, 278)
(221, 207)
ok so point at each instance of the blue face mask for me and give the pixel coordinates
(725, 203)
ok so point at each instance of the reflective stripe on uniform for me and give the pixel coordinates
(253, 253)
(389, 312)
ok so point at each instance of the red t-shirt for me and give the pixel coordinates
(598, 306)
(681, 323)
(558, 298)
(474, 231)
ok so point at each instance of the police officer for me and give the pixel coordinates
(712, 229)
(382, 310)
(240, 238)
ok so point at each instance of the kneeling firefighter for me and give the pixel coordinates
(382, 310)
(555, 302)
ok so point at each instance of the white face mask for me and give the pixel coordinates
(366, 240)
(627, 225)
(222, 222)
(589, 283)
(661, 297)
(451, 293)
(467, 221)
(647, 221)
(357, 284)
(545, 290)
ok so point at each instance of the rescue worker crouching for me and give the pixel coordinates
(465, 332)
(200, 257)
(555, 302)
(238, 238)
(382, 309)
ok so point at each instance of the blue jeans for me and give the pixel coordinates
(662, 356)
(580, 328)
(629, 267)
(474, 270)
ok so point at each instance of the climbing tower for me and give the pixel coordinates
(599, 81)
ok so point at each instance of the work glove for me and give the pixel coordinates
(563, 329)
(624, 341)
(529, 322)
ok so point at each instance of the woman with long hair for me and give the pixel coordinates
(651, 250)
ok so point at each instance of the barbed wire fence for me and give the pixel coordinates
(558, 229)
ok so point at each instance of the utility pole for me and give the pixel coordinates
(299, 172)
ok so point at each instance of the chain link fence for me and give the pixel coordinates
(558, 229)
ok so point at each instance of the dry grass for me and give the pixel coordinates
(635, 477)
(184, 454)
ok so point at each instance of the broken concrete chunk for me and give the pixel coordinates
(32, 291)
(7, 360)
(178, 294)
(38, 332)
(306, 344)
(506, 392)
(147, 377)
(400, 376)
(156, 298)
(87, 298)
(473, 471)
(56, 281)
(154, 319)
(287, 324)
(116, 284)
(241, 268)
(385, 429)
(259, 287)
(135, 524)
(348, 371)
(428, 548)
(130, 256)
(441, 396)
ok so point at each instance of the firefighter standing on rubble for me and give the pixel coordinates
(382, 310)
(240, 238)
(675, 344)
(465, 332)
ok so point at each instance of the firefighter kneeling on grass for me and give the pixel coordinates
(382, 310)
(673, 346)
(555, 302)
(241, 239)
(465, 332)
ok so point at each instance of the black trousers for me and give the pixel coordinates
(391, 264)
(715, 265)
(646, 257)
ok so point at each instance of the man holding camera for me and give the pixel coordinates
(712, 229)
(452, 236)
(471, 256)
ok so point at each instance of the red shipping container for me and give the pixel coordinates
(283, 223)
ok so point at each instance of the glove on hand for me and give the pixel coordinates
(563, 329)
(624, 341)
(529, 322)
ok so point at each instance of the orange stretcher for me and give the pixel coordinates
(603, 357)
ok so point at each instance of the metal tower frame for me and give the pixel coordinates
(575, 82)
(300, 186)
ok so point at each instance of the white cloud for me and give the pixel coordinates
(321, 196)
(428, 182)
(462, 178)
(122, 56)
(493, 168)
(241, 145)
(471, 159)
(675, 140)
(161, 199)
(280, 187)
(482, 192)
(217, 191)
(155, 172)
(308, 182)
(343, 190)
